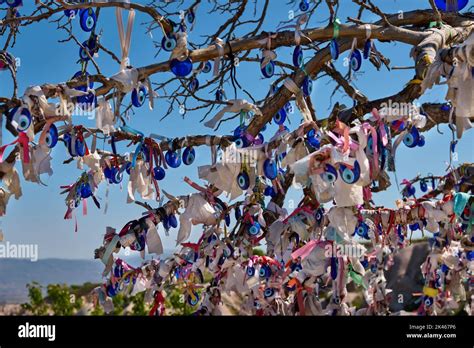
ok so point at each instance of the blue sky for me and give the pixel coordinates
(38, 216)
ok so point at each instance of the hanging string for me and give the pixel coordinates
(233, 75)
(125, 39)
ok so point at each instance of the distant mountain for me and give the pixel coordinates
(15, 274)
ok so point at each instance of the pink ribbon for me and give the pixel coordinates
(68, 216)
(344, 141)
(380, 124)
(353, 145)
(305, 250)
(406, 182)
(210, 196)
(84, 206)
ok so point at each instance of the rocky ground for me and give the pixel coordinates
(10, 309)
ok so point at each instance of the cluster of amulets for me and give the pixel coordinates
(235, 234)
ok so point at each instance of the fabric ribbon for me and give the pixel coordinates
(156, 155)
(398, 141)
(314, 169)
(194, 246)
(306, 249)
(80, 136)
(180, 52)
(23, 140)
(129, 226)
(277, 184)
(217, 61)
(301, 20)
(298, 210)
(343, 129)
(109, 249)
(353, 46)
(336, 26)
(375, 159)
(342, 142)
(367, 193)
(125, 39)
(159, 304)
(460, 201)
(131, 130)
(368, 31)
(236, 105)
(209, 195)
(340, 274)
(137, 152)
(68, 214)
(346, 142)
(300, 100)
(406, 182)
(212, 147)
(84, 206)
(151, 93)
(381, 126)
(268, 54)
(299, 295)
(305, 125)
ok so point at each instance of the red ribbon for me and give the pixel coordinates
(126, 228)
(264, 260)
(80, 136)
(23, 140)
(248, 218)
(194, 246)
(299, 297)
(159, 302)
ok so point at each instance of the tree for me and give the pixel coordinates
(37, 305)
(343, 158)
(59, 300)
(66, 300)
